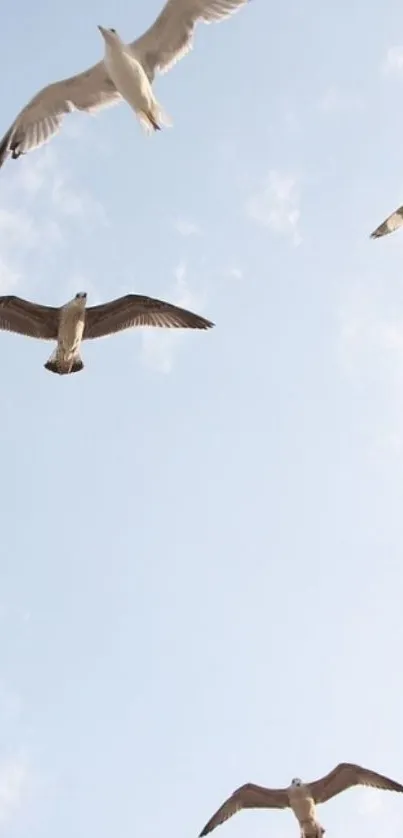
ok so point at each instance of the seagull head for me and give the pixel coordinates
(296, 782)
(110, 36)
(80, 299)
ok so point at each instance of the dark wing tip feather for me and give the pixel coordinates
(378, 781)
(392, 223)
(202, 323)
(228, 808)
(248, 796)
(382, 230)
(5, 147)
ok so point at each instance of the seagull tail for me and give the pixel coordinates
(154, 118)
(64, 367)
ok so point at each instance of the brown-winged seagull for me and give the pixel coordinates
(301, 797)
(392, 223)
(73, 322)
(127, 72)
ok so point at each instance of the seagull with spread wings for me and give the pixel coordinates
(392, 223)
(73, 322)
(126, 73)
(301, 797)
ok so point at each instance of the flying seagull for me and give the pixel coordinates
(392, 223)
(301, 797)
(73, 322)
(127, 72)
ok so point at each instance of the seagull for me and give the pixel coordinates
(392, 223)
(73, 322)
(127, 72)
(301, 797)
(131, 81)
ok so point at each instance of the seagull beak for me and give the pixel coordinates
(102, 30)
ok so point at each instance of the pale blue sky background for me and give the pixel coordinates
(201, 565)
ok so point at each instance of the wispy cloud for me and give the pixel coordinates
(40, 208)
(369, 802)
(335, 101)
(47, 180)
(376, 815)
(10, 707)
(233, 273)
(187, 228)
(276, 205)
(159, 346)
(393, 62)
(14, 781)
(370, 350)
(370, 334)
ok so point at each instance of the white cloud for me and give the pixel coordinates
(369, 803)
(14, 781)
(40, 208)
(9, 277)
(336, 101)
(370, 338)
(10, 707)
(370, 351)
(159, 346)
(233, 273)
(187, 228)
(277, 205)
(393, 63)
(76, 204)
(376, 815)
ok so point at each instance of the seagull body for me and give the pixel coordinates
(392, 223)
(66, 357)
(73, 323)
(111, 80)
(301, 798)
(131, 81)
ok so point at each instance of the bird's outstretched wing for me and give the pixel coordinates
(249, 796)
(41, 118)
(392, 223)
(134, 310)
(170, 37)
(25, 318)
(346, 775)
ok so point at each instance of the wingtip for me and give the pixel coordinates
(4, 152)
(5, 147)
(379, 232)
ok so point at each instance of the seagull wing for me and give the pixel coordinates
(392, 223)
(249, 796)
(133, 310)
(42, 116)
(346, 775)
(25, 318)
(170, 37)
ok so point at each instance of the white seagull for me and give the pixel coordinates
(73, 322)
(126, 72)
(301, 797)
(392, 223)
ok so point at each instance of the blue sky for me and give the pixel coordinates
(201, 576)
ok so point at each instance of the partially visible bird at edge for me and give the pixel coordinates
(391, 223)
(127, 72)
(301, 798)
